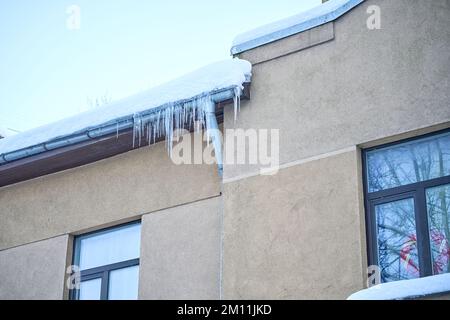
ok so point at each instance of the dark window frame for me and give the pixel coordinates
(417, 192)
(101, 272)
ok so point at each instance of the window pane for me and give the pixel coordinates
(438, 206)
(90, 289)
(110, 246)
(410, 162)
(397, 247)
(123, 284)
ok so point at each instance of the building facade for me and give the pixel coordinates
(338, 93)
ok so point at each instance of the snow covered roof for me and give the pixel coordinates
(405, 289)
(229, 73)
(326, 12)
(6, 132)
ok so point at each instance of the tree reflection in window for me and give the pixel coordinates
(397, 241)
(438, 201)
(407, 163)
(420, 162)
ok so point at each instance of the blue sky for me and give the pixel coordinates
(48, 72)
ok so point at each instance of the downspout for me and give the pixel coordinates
(213, 132)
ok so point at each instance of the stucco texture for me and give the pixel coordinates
(99, 194)
(180, 252)
(297, 234)
(34, 271)
(362, 86)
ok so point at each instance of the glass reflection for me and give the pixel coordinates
(438, 207)
(90, 289)
(123, 284)
(397, 240)
(410, 162)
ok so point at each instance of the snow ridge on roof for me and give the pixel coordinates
(405, 289)
(326, 12)
(216, 76)
(6, 132)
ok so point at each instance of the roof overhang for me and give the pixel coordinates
(322, 14)
(90, 145)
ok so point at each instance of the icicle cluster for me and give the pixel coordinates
(163, 123)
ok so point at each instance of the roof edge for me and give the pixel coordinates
(95, 145)
(295, 29)
(108, 128)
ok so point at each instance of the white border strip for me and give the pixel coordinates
(268, 171)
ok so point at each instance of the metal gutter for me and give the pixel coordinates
(303, 26)
(111, 127)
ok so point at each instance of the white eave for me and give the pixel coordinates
(209, 80)
(324, 13)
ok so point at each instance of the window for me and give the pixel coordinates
(109, 263)
(407, 194)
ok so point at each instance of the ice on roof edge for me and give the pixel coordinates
(219, 75)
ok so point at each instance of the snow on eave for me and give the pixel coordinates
(406, 289)
(216, 76)
(6, 132)
(326, 12)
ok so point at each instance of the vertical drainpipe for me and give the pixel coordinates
(213, 131)
(211, 123)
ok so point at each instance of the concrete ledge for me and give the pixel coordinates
(291, 44)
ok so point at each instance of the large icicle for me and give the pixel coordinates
(197, 114)
(237, 101)
(149, 107)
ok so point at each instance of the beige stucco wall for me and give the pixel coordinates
(297, 234)
(362, 86)
(300, 233)
(34, 271)
(99, 194)
(180, 252)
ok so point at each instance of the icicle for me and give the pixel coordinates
(177, 118)
(208, 137)
(168, 127)
(141, 130)
(237, 101)
(171, 118)
(137, 128)
(193, 116)
(134, 131)
(157, 126)
(149, 133)
(235, 106)
(185, 113)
